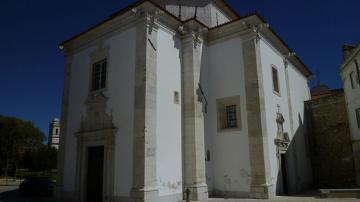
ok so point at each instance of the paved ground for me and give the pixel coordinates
(12, 194)
(283, 199)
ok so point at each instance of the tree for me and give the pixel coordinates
(42, 158)
(17, 137)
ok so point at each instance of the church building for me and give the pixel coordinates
(168, 100)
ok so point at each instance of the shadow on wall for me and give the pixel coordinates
(295, 175)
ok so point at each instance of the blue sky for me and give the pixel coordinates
(32, 66)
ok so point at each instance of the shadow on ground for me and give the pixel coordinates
(18, 196)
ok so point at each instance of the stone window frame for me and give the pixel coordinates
(221, 113)
(275, 91)
(100, 55)
(103, 65)
(352, 80)
(357, 114)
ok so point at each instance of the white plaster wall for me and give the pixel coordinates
(205, 84)
(352, 97)
(168, 127)
(299, 93)
(121, 103)
(270, 57)
(120, 90)
(79, 86)
(229, 168)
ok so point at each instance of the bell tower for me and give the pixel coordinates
(54, 133)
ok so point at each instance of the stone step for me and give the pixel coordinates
(340, 193)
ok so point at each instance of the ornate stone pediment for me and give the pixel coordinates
(96, 117)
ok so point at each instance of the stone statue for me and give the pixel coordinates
(280, 121)
(282, 138)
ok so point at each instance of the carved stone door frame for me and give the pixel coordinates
(96, 129)
(85, 140)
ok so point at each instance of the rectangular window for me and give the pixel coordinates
(275, 76)
(99, 75)
(228, 113)
(358, 117)
(352, 79)
(231, 120)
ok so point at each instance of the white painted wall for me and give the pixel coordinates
(121, 81)
(120, 90)
(169, 124)
(298, 164)
(299, 93)
(229, 168)
(268, 58)
(79, 86)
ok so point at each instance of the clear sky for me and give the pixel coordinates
(32, 66)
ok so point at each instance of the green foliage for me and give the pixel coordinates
(21, 146)
(42, 158)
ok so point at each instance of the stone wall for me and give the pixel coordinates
(330, 142)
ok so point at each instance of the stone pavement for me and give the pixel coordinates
(283, 199)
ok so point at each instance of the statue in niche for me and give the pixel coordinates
(281, 137)
(280, 121)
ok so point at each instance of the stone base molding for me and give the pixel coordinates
(262, 192)
(230, 194)
(356, 150)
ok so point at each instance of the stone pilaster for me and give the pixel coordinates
(59, 193)
(193, 120)
(144, 170)
(261, 185)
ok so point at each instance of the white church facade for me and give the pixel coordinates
(166, 101)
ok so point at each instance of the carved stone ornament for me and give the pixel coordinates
(282, 138)
(96, 116)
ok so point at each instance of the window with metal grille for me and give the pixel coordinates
(231, 120)
(99, 75)
(358, 117)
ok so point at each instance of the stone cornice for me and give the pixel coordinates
(254, 23)
(145, 11)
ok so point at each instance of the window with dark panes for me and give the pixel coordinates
(275, 80)
(99, 75)
(231, 120)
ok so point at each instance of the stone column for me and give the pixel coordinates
(193, 119)
(261, 185)
(144, 170)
